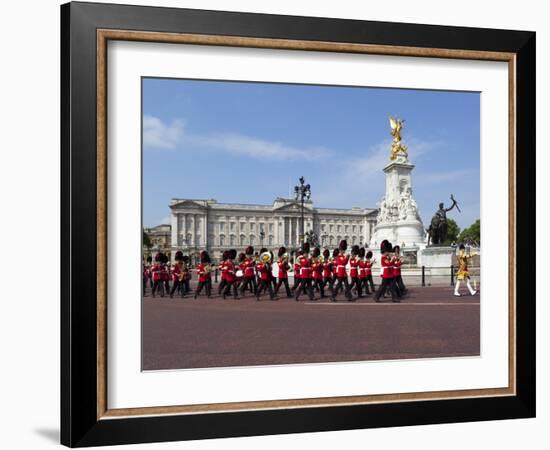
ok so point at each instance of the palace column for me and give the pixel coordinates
(174, 231)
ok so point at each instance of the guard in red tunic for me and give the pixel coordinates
(397, 263)
(341, 262)
(248, 268)
(328, 277)
(363, 271)
(204, 272)
(264, 272)
(305, 273)
(388, 281)
(178, 275)
(156, 271)
(165, 273)
(317, 271)
(222, 268)
(282, 277)
(296, 270)
(369, 263)
(354, 272)
(145, 275)
(230, 274)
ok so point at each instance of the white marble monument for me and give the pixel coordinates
(398, 219)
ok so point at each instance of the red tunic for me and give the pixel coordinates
(297, 269)
(387, 265)
(305, 267)
(341, 262)
(397, 267)
(156, 270)
(368, 267)
(176, 271)
(203, 274)
(223, 270)
(165, 273)
(283, 268)
(363, 269)
(353, 267)
(230, 270)
(248, 268)
(327, 270)
(317, 270)
(263, 269)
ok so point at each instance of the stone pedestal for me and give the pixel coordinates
(437, 259)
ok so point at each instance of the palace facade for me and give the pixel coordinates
(207, 224)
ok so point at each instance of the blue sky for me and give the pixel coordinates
(247, 142)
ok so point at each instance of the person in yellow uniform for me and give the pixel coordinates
(463, 260)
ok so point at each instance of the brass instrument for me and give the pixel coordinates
(321, 259)
(265, 257)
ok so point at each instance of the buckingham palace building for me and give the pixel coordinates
(206, 224)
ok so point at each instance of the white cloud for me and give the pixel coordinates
(252, 147)
(158, 135)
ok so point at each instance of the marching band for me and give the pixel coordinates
(253, 273)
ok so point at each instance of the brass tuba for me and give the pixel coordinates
(265, 257)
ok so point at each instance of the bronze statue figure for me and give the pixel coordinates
(437, 233)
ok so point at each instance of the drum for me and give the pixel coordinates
(239, 273)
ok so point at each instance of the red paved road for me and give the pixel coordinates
(188, 333)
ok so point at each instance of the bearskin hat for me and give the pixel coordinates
(225, 255)
(282, 251)
(326, 253)
(355, 250)
(343, 245)
(232, 254)
(149, 258)
(461, 247)
(164, 258)
(335, 252)
(249, 250)
(385, 246)
(179, 256)
(299, 252)
(185, 259)
(205, 257)
(158, 257)
(369, 254)
(316, 252)
(263, 250)
(305, 247)
(362, 252)
(396, 248)
(242, 256)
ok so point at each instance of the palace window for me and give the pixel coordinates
(232, 226)
(270, 240)
(222, 227)
(232, 239)
(353, 229)
(242, 240)
(242, 226)
(222, 240)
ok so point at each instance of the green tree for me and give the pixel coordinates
(452, 231)
(146, 240)
(473, 232)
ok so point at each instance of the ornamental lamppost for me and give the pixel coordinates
(302, 192)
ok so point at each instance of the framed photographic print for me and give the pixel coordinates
(276, 224)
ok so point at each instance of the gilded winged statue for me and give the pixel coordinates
(396, 146)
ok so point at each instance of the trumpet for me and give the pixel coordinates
(285, 257)
(322, 259)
